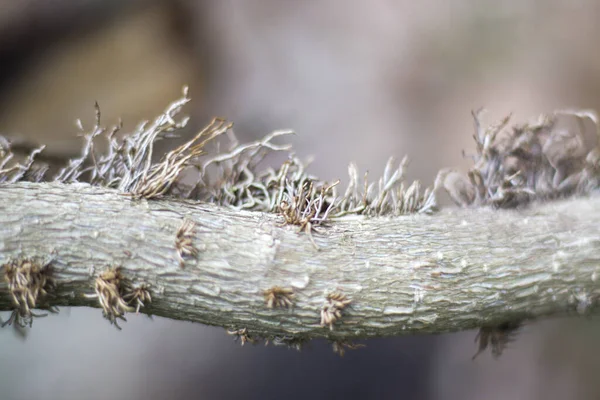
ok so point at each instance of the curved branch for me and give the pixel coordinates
(454, 270)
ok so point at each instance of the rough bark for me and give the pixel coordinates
(454, 270)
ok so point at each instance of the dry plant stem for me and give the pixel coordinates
(455, 270)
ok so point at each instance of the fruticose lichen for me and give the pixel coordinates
(540, 160)
(230, 177)
(555, 156)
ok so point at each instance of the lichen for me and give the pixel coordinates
(541, 160)
(231, 177)
(513, 165)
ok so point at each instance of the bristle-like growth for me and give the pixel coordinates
(184, 241)
(278, 297)
(304, 207)
(138, 296)
(20, 320)
(545, 159)
(157, 179)
(340, 346)
(29, 281)
(331, 312)
(242, 335)
(497, 337)
(388, 196)
(110, 287)
(27, 170)
(555, 156)
(233, 177)
(291, 342)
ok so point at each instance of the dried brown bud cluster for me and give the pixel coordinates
(242, 335)
(28, 280)
(138, 296)
(340, 346)
(110, 288)
(331, 311)
(184, 241)
(279, 297)
(496, 337)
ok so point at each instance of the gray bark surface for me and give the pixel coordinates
(455, 270)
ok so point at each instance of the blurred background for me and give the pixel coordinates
(358, 81)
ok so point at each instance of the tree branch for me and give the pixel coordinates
(211, 245)
(454, 270)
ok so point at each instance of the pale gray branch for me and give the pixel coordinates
(454, 270)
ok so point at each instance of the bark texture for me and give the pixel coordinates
(454, 270)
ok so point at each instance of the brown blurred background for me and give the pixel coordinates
(359, 81)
